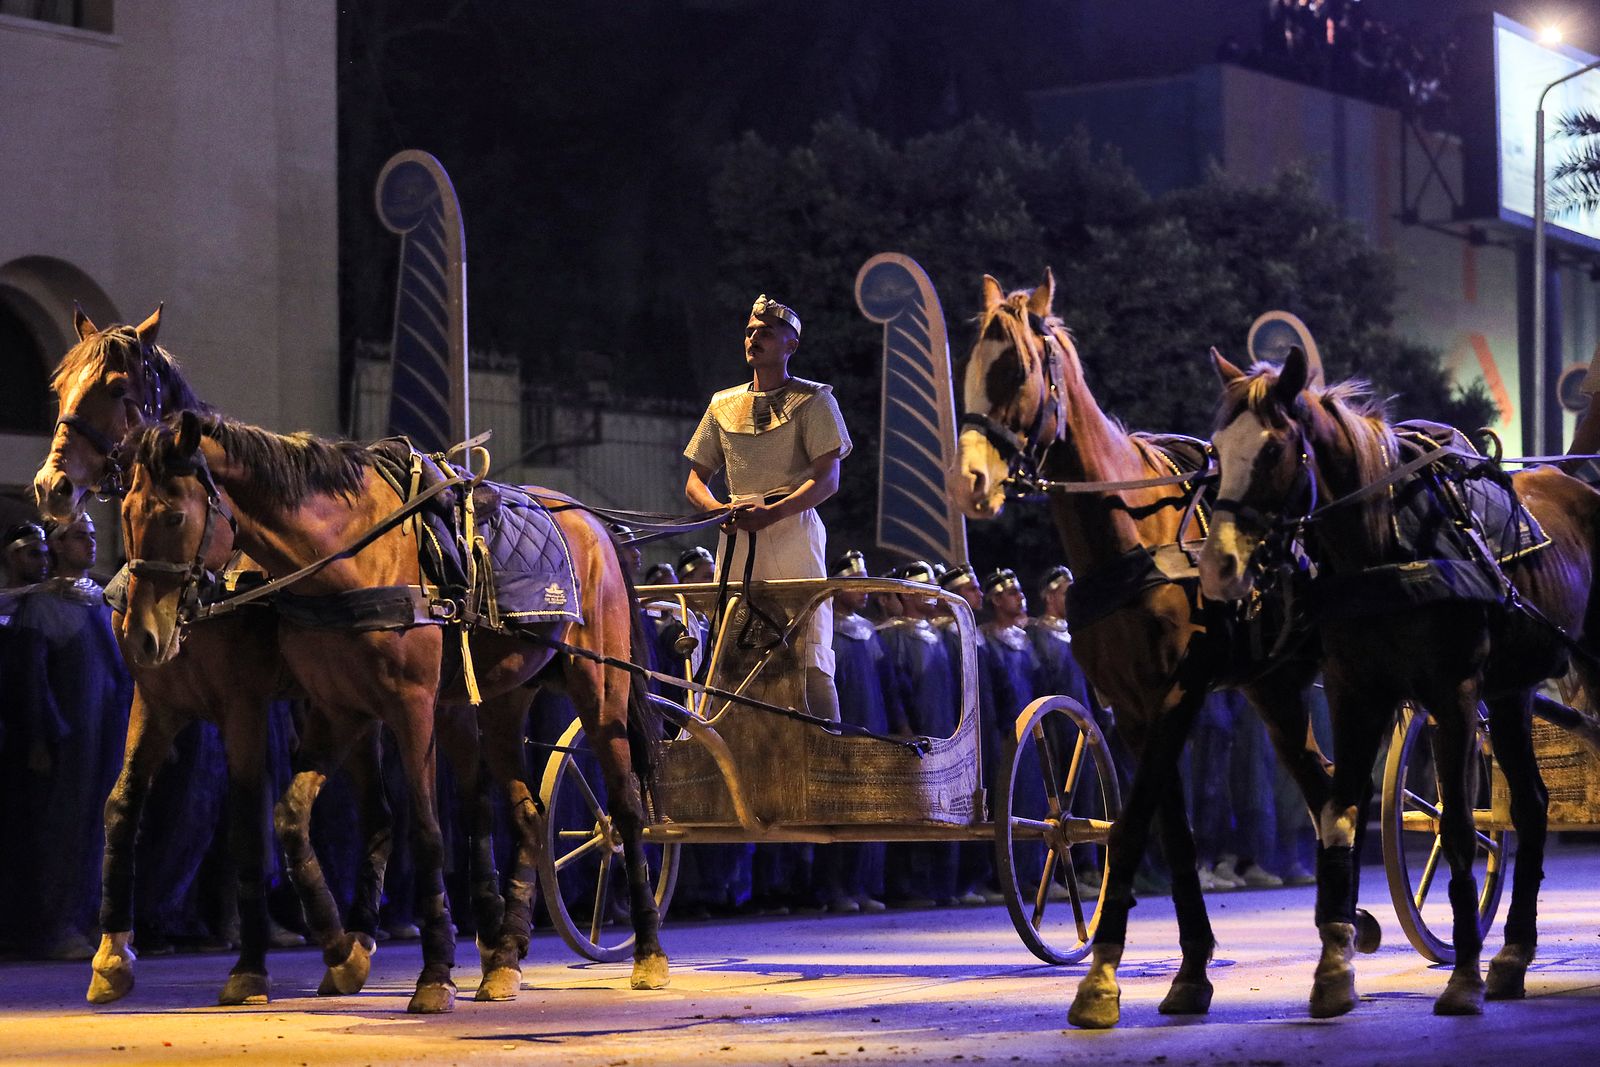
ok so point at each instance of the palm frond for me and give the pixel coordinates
(1580, 123)
(1575, 182)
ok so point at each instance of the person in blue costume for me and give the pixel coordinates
(927, 701)
(1060, 675)
(850, 876)
(70, 692)
(1010, 669)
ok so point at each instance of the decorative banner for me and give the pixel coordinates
(917, 463)
(1274, 333)
(428, 394)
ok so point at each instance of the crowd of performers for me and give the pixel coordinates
(64, 718)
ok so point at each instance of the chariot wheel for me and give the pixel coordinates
(581, 867)
(1056, 796)
(1413, 851)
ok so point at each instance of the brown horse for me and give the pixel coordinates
(1282, 440)
(112, 381)
(1153, 653)
(298, 499)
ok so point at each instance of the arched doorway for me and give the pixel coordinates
(25, 400)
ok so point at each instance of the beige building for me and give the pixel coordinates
(177, 151)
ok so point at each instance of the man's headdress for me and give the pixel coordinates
(765, 307)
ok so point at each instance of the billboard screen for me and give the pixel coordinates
(1523, 66)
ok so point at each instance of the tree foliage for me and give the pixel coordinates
(1146, 285)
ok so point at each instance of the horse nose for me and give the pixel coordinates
(978, 482)
(146, 649)
(1227, 565)
(54, 491)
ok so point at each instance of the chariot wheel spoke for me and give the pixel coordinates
(1428, 871)
(596, 840)
(601, 897)
(1041, 896)
(588, 794)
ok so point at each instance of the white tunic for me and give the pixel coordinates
(766, 442)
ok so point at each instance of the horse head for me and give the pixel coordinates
(112, 381)
(1012, 393)
(1263, 458)
(176, 527)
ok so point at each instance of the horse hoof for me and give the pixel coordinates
(1369, 935)
(650, 972)
(111, 983)
(243, 988)
(111, 977)
(1098, 1003)
(500, 983)
(1461, 996)
(1333, 995)
(1507, 972)
(1187, 998)
(348, 977)
(435, 998)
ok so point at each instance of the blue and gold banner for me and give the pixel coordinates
(918, 458)
(428, 394)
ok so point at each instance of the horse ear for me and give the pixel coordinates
(1041, 299)
(81, 323)
(188, 434)
(1225, 370)
(1294, 377)
(993, 294)
(148, 329)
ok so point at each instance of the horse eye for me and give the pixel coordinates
(172, 518)
(1271, 451)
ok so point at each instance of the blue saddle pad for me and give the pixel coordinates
(534, 578)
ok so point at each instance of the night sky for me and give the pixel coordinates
(581, 136)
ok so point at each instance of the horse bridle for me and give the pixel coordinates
(114, 482)
(1024, 453)
(193, 573)
(1278, 532)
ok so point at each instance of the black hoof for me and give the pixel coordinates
(1369, 935)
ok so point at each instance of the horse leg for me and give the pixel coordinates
(365, 767)
(244, 737)
(503, 945)
(414, 736)
(1359, 722)
(1190, 993)
(1511, 731)
(1282, 705)
(1454, 749)
(1097, 1003)
(150, 734)
(601, 697)
(348, 956)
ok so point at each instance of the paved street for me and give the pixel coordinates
(905, 987)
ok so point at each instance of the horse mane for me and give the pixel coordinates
(118, 347)
(284, 469)
(1351, 405)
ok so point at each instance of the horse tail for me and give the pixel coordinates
(646, 724)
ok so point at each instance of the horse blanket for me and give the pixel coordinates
(1457, 521)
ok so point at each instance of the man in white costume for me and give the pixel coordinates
(779, 439)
